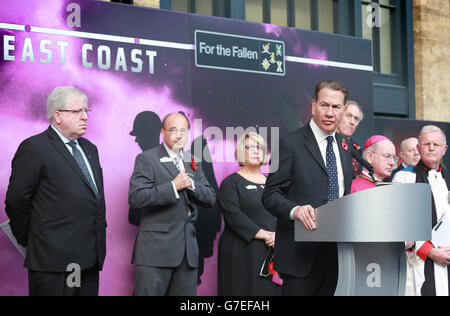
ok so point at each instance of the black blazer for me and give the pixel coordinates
(52, 209)
(301, 179)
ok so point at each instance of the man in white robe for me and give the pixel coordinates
(429, 264)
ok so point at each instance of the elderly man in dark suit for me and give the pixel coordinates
(55, 201)
(315, 168)
(167, 186)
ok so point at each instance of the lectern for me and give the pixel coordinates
(371, 228)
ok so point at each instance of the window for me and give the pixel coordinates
(204, 7)
(279, 12)
(254, 10)
(376, 23)
(325, 16)
(306, 14)
(302, 14)
(181, 5)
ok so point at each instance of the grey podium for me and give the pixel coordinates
(371, 228)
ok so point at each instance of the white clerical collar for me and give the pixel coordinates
(366, 174)
(171, 153)
(320, 134)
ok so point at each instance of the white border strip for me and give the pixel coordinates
(328, 63)
(10, 26)
(147, 42)
(97, 36)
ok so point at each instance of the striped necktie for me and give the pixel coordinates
(82, 164)
(178, 161)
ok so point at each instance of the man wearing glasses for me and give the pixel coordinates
(166, 187)
(428, 262)
(379, 151)
(55, 201)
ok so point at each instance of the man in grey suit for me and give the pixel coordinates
(167, 186)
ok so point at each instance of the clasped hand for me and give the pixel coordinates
(182, 181)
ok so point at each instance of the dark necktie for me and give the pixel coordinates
(333, 186)
(84, 169)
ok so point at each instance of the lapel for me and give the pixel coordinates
(421, 173)
(312, 147)
(346, 160)
(422, 177)
(173, 170)
(168, 165)
(96, 169)
(62, 149)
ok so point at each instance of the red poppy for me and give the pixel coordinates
(271, 270)
(344, 145)
(357, 147)
(193, 164)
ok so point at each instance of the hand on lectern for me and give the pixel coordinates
(307, 215)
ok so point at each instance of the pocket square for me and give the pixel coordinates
(166, 159)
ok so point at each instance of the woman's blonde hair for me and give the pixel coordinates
(240, 147)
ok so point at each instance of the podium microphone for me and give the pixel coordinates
(363, 162)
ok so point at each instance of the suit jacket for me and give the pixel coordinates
(301, 179)
(53, 210)
(166, 231)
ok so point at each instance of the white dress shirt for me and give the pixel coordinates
(321, 139)
(86, 161)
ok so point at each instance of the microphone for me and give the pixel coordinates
(355, 154)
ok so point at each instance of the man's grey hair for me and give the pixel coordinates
(58, 98)
(403, 143)
(351, 102)
(432, 128)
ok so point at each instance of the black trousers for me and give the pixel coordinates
(55, 283)
(322, 280)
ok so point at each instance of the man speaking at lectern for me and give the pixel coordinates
(315, 168)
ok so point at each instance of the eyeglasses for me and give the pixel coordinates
(257, 147)
(77, 112)
(388, 157)
(175, 131)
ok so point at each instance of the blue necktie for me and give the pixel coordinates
(80, 161)
(333, 186)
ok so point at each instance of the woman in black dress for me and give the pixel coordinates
(249, 228)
